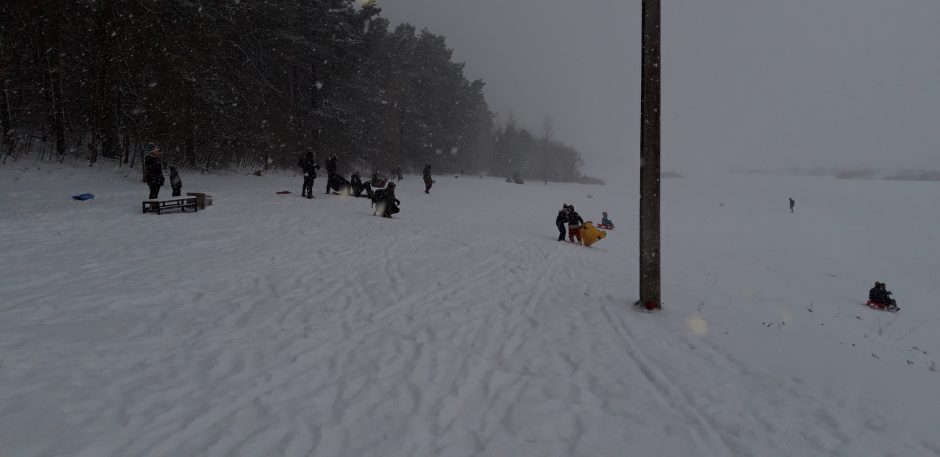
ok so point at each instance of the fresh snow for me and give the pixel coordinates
(273, 325)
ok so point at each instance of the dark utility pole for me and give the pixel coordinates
(649, 155)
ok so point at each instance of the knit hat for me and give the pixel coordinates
(151, 147)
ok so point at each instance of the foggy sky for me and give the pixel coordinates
(746, 83)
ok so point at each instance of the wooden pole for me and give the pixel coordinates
(650, 297)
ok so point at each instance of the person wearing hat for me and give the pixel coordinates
(560, 221)
(153, 170)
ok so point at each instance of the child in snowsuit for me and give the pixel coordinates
(560, 221)
(605, 221)
(175, 182)
(792, 204)
(574, 225)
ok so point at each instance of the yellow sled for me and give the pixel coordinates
(589, 234)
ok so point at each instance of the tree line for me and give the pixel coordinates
(249, 83)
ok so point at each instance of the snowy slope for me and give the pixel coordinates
(275, 325)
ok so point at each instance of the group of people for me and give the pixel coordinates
(569, 216)
(153, 173)
(574, 221)
(378, 189)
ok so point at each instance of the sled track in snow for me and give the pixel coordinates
(669, 394)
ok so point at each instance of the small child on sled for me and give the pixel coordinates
(606, 223)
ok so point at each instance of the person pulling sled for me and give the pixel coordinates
(560, 221)
(574, 224)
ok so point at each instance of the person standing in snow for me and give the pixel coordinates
(574, 224)
(427, 179)
(330, 172)
(792, 204)
(175, 182)
(309, 167)
(153, 170)
(560, 221)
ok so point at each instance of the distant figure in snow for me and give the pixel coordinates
(330, 172)
(880, 295)
(792, 204)
(427, 179)
(175, 182)
(309, 167)
(396, 172)
(153, 170)
(605, 221)
(574, 224)
(560, 220)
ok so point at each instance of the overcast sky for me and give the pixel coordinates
(746, 83)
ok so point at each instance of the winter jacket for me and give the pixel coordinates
(331, 165)
(309, 166)
(153, 170)
(574, 220)
(562, 218)
(175, 180)
(427, 173)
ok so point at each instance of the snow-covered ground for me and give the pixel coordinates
(273, 325)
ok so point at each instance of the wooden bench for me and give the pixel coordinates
(156, 205)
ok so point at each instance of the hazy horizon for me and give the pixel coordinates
(746, 84)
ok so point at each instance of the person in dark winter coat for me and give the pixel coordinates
(574, 225)
(560, 220)
(792, 204)
(427, 179)
(355, 183)
(886, 296)
(175, 182)
(309, 167)
(874, 294)
(385, 202)
(153, 170)
(330, 172)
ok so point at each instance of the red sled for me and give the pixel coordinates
(891, 308)
(605, 226)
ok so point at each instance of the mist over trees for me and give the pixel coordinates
(220, 83)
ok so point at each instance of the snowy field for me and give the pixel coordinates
(273, 325)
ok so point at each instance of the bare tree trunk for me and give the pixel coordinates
(6, 120)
